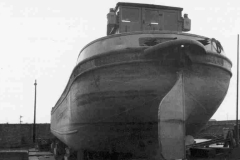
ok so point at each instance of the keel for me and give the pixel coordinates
(171, 126)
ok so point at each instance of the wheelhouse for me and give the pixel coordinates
(130, 17)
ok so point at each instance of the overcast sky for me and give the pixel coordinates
(41, 39)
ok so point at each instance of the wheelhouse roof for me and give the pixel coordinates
(147, 6)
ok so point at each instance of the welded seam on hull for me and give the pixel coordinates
(122, 63)
(94, 68)
(65, 132)
(219, 56)
(214, 65)
(84, 98)
(120, 51)
(128, 82)
(95, 124)
(191, 96)
(130, 109)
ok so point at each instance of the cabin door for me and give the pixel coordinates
(171, 20)
(152, 19)
(130, 19)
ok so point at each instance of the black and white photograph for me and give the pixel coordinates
(119, 80)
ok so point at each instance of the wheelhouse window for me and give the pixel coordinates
(152, 17)
(130, 15)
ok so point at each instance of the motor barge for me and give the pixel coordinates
(145, 79)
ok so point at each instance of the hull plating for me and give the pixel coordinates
(113, 104)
